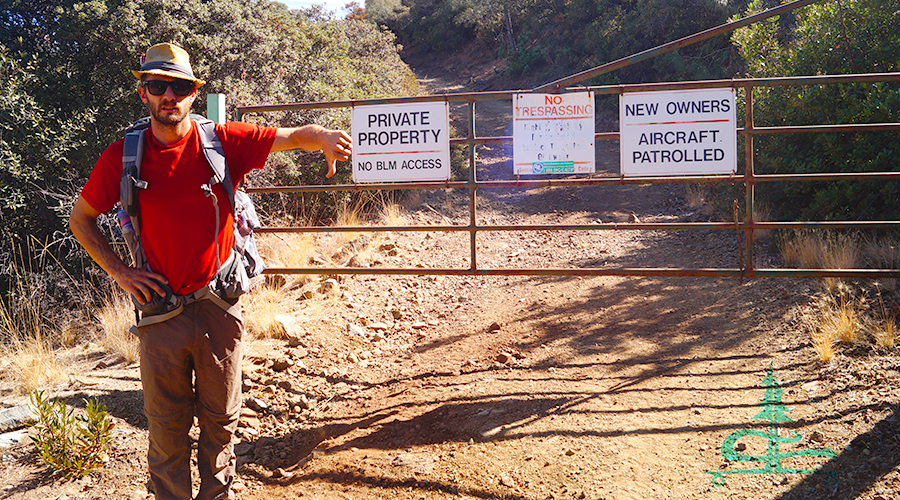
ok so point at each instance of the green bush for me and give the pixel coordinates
(37, 144)
(827, 38)
(69, 444)
(68, 93)
(548, 39)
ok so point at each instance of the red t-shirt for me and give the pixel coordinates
(177, 218)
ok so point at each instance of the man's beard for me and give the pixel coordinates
(170, 118)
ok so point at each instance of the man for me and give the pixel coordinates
(191, 362)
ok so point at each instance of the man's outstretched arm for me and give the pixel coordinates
(336, 144)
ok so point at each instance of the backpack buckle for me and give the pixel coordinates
(139, 183)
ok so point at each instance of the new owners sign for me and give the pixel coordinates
(401, 142)
(689, 132)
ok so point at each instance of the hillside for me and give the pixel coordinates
(529, 387)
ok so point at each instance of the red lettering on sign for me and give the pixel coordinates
(553, 99)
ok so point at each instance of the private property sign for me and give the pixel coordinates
(553, 133)
(691, 132)
(401, 142)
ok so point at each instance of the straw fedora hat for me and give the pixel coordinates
(167, 59)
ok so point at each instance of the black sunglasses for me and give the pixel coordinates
(180, 88)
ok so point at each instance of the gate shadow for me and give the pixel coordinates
(868, 457)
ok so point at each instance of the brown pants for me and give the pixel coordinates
(190, 363)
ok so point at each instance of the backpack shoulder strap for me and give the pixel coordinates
(130, 184)
(132, 154)
(215, 156)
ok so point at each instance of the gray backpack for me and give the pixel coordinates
(233, 277)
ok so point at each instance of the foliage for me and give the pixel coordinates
(830, 37)
(70, 444)
(36, 148)
(554, 38)
(68, 91)
(384, 11)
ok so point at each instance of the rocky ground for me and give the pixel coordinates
(534, 387)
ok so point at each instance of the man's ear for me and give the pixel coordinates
(142, 93)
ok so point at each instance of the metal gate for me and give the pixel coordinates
(749, 179)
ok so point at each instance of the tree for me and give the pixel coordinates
(831, 37)
(547, 39)
(71, 93)
(36, 146)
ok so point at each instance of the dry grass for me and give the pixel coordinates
(842, 322)
(350, 215)
(392, 214)
(761, 213)
(811, 318)
(69, 332)
(841, 252)
(844, 318)
(839, 321)
(286, 250)
(883, 327)
(34, 365)
(116, 317)
(261, 306)
(847, 320)
(884, 333)
(27, 338)
(823, 344)
(817, 250)
(700, 197)
(883, 254)
(31, 361)
(337, 246)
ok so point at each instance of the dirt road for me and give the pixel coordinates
(613, 388)
(600, 388)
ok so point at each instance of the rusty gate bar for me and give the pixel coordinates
(621, 271)
(749, 178)
(596, 181)
(598, 90)
(613, 226)
(473, 179)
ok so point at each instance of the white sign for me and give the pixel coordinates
(689, 132)
(401, 142)
(553, 133)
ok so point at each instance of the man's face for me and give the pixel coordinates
(167, 108)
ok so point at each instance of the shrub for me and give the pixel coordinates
(827, 38)
(71, 445)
